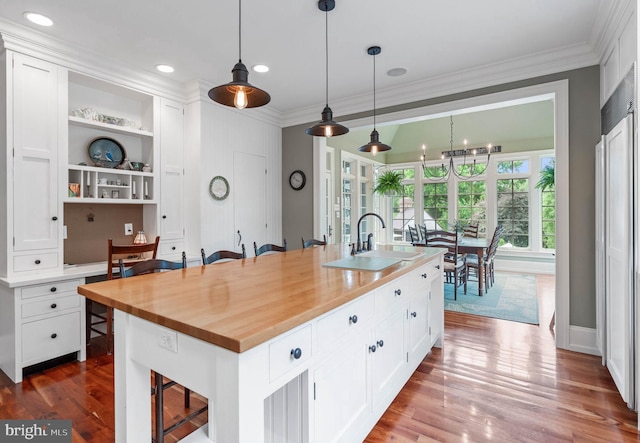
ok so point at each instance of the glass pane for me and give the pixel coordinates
(521, 166)
(504, 167)
(346, 167)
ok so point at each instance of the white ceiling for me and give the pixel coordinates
(433, 40)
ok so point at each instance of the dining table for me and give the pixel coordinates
(478, 246)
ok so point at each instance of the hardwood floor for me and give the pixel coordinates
(494, 381)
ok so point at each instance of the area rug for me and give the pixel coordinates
(513, 297)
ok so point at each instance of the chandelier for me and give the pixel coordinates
(466, 170)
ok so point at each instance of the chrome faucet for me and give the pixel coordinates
(359, 248)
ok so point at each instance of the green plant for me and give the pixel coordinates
(389, 183)
(547, 177)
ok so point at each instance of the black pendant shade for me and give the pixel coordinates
(226, 94)
(239, 92)
(374, 146)
(327, 127)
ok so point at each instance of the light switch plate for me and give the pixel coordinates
(128, 229)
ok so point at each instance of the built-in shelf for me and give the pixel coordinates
(86, 123)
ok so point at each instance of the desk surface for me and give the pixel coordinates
(242, 303)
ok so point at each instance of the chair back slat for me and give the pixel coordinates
(152, 265)
(314, 242)
(269, 247)
(422, 230)
(471, 230)
(444, 239)
(132, 252)
(222, 255)
(413, 234)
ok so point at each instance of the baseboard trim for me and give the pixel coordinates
(583, 340)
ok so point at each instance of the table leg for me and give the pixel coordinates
(480, 272)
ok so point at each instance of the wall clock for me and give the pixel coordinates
(219, 187)
(297, 179)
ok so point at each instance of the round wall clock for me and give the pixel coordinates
(297, 179)
(219, 187)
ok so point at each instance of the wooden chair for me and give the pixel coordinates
(471, 230)
(269, 247)
(455, 268)
(221, 255)
(313, 242)
(148, 267)
(102, 314)
(413, 235)
(487, 261)
(422, 230)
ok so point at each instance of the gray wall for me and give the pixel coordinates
(584, 133)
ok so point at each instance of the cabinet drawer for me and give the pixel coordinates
(392, 295)
(50, 288)
(50, 305)
(35, 262)
(345, 319)
(172, 248)
(424, 274)
(50, 338)
(283, 352)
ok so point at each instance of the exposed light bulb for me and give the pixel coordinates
(240, 99)
(328, 131)
(374, 150)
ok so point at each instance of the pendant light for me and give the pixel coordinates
(239, 92)
(327, 127)
(374, 146)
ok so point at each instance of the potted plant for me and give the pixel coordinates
(389, 183)
(547, 177)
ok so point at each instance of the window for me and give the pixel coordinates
(436, 205)
(548, 204)
(346, 210)
(472, 204)
(357, 179)
(513, 203)
(403, 207)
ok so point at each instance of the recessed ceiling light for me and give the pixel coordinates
(38, 19)
(260, 68)
(396, 72)
(164, 68)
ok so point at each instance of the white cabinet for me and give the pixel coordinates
(34, 211)
(172, 176)
(41, 322)
(369, 348)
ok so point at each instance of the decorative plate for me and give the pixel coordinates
(106, 152)
(219, 188)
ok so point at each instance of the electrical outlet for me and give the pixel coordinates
(128, 229)
(169, 340)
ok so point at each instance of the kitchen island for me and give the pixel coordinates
(283, 347)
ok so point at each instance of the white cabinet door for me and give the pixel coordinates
(389, 358)
(341, 392)
(35, 142)
(418, 316)
(172, 170)
(619, 258)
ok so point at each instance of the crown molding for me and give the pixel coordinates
(26, 41)
(611, 17)
(521, 68)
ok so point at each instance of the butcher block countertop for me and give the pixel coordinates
(242, 303)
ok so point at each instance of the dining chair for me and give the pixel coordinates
(455, 268)
(473, 264)
(313, 242)
(98, 314)
(149, 267)
(269, 247)
(413, 235)
(471, 230)
(222, 255)
(422, 230)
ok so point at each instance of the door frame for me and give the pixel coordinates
(558, 91)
